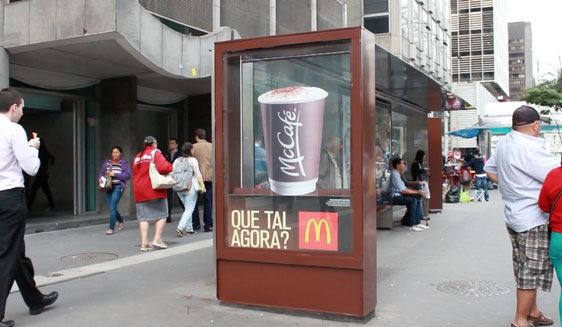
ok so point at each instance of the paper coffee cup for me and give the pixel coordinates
(292, 119)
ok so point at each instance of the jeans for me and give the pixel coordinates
(413, 206)
(113, 197)
(482, 183)
(189, 200)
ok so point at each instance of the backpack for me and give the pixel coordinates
(183, 181)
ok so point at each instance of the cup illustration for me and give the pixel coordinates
(292, 119)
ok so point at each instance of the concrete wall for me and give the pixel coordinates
(31, 23)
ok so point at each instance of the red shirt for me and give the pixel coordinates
(141, 179)
(550, 189)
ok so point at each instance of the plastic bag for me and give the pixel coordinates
(464, 198)
(425, 188)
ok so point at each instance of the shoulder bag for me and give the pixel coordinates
(107, 182)
(158, 180)
(554, 204)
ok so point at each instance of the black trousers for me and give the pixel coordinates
(14, 266)
(41, 180)
(207, 209)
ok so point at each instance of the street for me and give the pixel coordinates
(457, 273)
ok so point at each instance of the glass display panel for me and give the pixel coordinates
(382, 153)
(289, 150)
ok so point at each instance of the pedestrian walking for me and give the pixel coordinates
(151, 204)
(16, 155)
(519, 165)
(119, 171)
(186, 168)
(203, 152)
(41, 180)
(173, 154)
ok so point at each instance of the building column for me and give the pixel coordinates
(118, 126)
(4, 69)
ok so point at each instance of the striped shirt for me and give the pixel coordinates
(116, 168)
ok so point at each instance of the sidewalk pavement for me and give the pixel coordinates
(457, 273)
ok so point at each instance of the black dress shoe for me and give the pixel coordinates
(7, 323)
(210, 229)
(47, 300)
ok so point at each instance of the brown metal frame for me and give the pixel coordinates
(335, 283)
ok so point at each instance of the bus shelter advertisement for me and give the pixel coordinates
(289, 223)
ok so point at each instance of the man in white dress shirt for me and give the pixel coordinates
(16, 154)
(519, 165)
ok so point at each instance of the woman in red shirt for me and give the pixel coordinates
(550, 201)
(151, 204)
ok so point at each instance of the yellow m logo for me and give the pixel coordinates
(317, 229)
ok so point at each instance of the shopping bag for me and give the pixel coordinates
(157, 180)
(425, 188)
(196, 185)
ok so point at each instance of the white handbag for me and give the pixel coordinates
(158, 180)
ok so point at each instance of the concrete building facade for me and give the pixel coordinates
(479, 59)
(98, 73)
(520, 59)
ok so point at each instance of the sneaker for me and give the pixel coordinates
(190, 232)
(159, 244)
(422, 226)
(146, 247)
(415, 229)
(179, 232)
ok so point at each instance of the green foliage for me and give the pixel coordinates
(543, 96)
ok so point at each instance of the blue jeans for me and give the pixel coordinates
(189, 200)
(113, 197)
(413, 206)
(482, 183)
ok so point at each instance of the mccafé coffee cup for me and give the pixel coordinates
(292, 119)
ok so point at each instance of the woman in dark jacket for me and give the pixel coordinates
(419, 173)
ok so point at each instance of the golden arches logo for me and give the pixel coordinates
(317, 229)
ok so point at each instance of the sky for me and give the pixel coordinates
(546, 25)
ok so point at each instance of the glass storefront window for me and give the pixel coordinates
(375, 6)
(289, 150)
(377, 24)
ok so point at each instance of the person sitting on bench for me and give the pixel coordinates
(402, 195)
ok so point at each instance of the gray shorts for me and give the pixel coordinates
(531, 262)
(152, 210)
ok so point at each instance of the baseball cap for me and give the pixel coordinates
(525, 115)
(149, 140)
